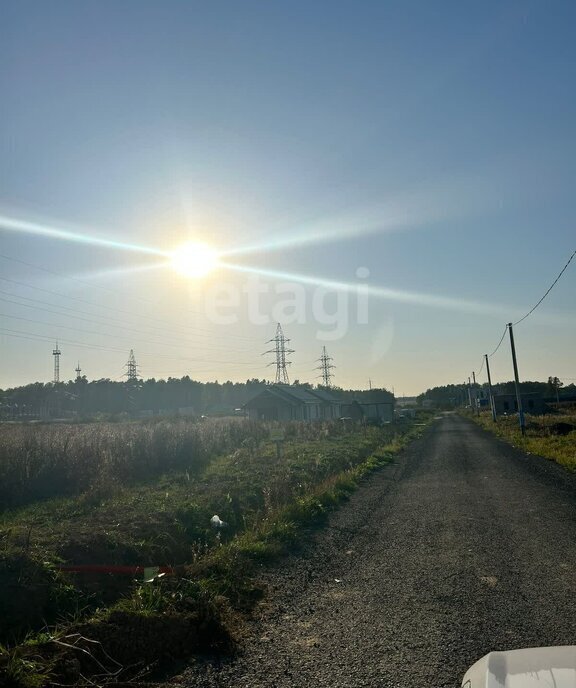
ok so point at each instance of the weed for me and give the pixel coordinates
(538, 438)
(18, 669)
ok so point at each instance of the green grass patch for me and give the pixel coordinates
(539, 439)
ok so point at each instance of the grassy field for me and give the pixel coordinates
(143, 494)
(540, 437)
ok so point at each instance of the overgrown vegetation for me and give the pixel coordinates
(48, 460)
(133, 513)
(543, 434)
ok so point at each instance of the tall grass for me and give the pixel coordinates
(42, 461)
(539, 438)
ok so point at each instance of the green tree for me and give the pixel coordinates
(553, 387)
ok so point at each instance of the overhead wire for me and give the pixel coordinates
(196, 329)
(198, 332)
(18, 334)
(482, 366)
(534, 307)
(99, 319)
(500, 342)
(68, 277)
(157, 355)
(548, 290)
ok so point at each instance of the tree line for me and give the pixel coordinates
(87, 399)
(457, 395)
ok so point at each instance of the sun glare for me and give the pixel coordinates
(194, 260)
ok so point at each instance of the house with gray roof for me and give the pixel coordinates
(284, 402)
(289, 402)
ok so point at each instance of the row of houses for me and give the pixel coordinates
(287, 402)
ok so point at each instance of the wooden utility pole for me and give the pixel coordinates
(476, 394)
(492, 404)
(517, 383)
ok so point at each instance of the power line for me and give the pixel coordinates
(94, 319)
(548, 290)
(18, 334)
(72, 279)
(500, 342)
(534, 307)
(482, 366)
(76, 329)
(198, 332)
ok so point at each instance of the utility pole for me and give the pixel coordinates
(131, 368)
(369, 383)
(78, 371)
(492, 404)
(476, 394)
(56, 353)
(469, 394)
(280, 352)
(325, 367)
(517, 383)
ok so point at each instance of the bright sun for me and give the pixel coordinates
(194, 260)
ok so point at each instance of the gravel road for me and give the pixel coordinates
(463, 546)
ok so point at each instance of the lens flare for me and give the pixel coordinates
(194, 260)
(384, 293)
(11, 224)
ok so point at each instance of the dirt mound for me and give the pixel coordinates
(561, 428)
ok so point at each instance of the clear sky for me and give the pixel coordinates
(432, 145)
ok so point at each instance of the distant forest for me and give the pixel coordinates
(87, 399)
(456, 395)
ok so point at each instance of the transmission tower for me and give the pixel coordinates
(280, 351)
(325, 367)
(56, 353)
(131, 368)
(78, 370)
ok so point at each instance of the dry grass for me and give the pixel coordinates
(44, 461)
(539, 438)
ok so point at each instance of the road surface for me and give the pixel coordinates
(465, 545)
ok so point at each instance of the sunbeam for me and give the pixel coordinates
(11, 224)
(444, 302)
(400, 214)
(111, 273)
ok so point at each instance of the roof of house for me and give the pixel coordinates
(375, 400)
(287, 393)
(326, 395)
(300, 393)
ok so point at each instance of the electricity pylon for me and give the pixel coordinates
(131, 368)
(56, 353)
(280, 351)
(325, 367)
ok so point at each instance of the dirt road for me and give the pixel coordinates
(465, 545)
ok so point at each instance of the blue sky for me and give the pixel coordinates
(432, 143)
